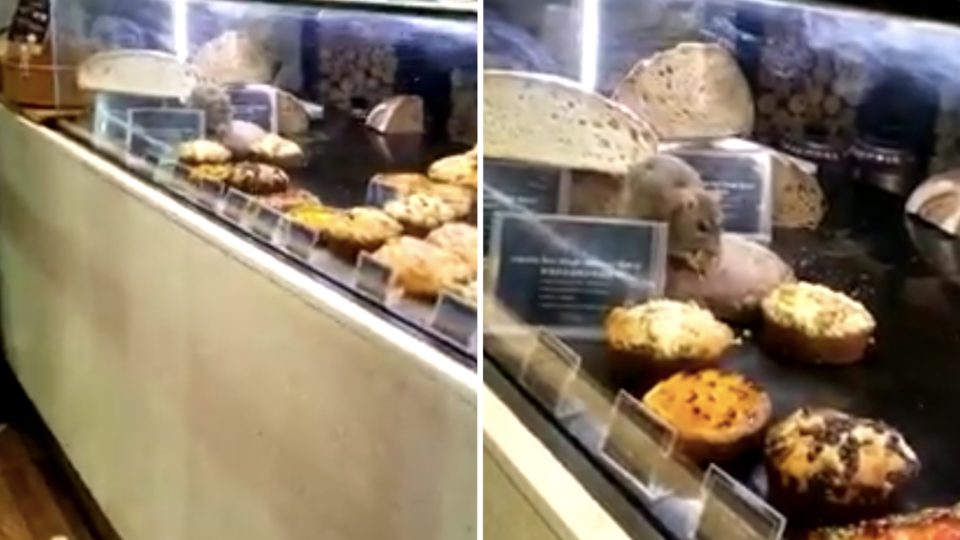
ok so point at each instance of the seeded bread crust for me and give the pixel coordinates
(717, 414)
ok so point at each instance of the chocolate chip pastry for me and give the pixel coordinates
(258, 178)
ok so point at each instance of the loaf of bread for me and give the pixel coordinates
(798, 200)
(692, 90)
(937, 201)
(553, 121)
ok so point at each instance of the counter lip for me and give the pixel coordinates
(347, 311)
(630, 515)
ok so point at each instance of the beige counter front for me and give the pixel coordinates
(203, 389)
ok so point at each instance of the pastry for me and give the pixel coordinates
(462, 199)
(466, 292)
(458, 238)
(420, 213)
(423, 269)
(929, 524)
(203, 151)
(660, 337)
(290, 199)
(258, 178)
(348, 232)
(278, 151)
(717, 414)
(460, 169)
(216, 173)
(812, 323)
(404, 183)
(825, 463)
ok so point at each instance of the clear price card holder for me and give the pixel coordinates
(456, 317)
(549, 369)
(237, 207)
(299, 239)
(265, 223)
(637, 444)
(731, 510)
(379, 192)
(376, 280)
(208, 194)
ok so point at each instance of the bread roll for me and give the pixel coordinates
(551, 121)
(692, 90)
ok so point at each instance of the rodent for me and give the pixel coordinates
(662, 188)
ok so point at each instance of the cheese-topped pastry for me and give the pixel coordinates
(822, 459)
(811, 322)
(716, 413)
(668, 333)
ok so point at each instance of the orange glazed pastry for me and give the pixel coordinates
(929, 524)
(812, 323)
(717, 414)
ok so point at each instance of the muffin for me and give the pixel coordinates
(420, 213)
(812, 323)
(717, 414)
(460, 239)
(463, 200)
(202, 151)
(278, 151)
(460, 169)
(289, 199)
(826, 464)
(931, 523)
(423, 270)
(258, 178)
(661, 337)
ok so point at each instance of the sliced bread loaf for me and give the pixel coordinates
(552, 121)
(692, 90)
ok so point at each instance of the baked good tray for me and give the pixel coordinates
(903, 271)
(342, 157)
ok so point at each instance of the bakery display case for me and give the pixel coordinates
(322, 131)
(235, 257)
(719, 260)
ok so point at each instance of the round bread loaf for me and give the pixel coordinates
(735, 284)
(812, 323)
(717, 414)
(826, 462)
(553, 121)
(660, 337)
(692, 90)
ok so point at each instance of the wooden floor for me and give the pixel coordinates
(40, 496)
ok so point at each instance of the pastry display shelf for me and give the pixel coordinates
(203, 387)
(344, 158)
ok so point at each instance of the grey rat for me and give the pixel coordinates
(662, 188)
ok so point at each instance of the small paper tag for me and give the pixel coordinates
(374, 279)
(455, 317)
(266, 222)
(549, 368)
(236, 205)
(637, 441)
(300, 239)
(730, 510)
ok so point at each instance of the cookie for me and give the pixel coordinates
(460, 169)
(420, 213)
